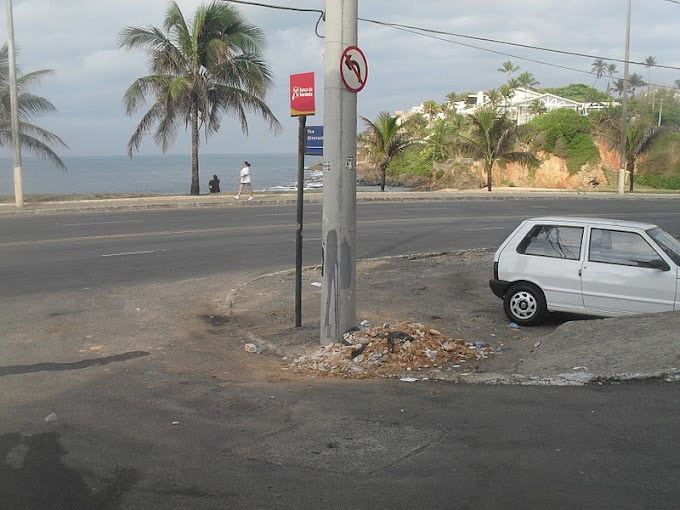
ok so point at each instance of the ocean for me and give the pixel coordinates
(155, 174)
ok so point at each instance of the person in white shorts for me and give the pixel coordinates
(245, 181)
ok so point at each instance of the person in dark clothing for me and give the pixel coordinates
(214, 185)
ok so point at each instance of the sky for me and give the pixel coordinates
(78, 39)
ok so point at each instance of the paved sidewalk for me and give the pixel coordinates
(311, 197)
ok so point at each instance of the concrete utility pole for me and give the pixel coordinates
(14, 106)
(338, 283)
(624, 107)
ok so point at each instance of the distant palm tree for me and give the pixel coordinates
(440, 139)
(495, 96)
(619, 86)
(649, 63)
(611, 71)
(31, 137)
(537, 107)
(640, 135)
(527, 80)
(508, 68)
(385, 139)
(599, 67)
(635, 81)
(493, 137)
(201, 70)
(431, 108)
(415, 126)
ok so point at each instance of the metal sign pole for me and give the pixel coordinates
(302, 135)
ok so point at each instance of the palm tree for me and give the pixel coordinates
(431, 108)
(31, 137)
(527, 81)
(649, 63)
(385, 139)
(634, 82)
(611, 71)
(507, 90)
(493, 137)
(619, 86)
(495, 96)
(440, 139)
(537, 107)
(415, 126)
(599, 67)
(640, 135)
(508, 68)
(200, 70)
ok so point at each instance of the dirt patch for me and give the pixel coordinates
(448, 293)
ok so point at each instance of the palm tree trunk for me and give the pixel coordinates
(383, 172)
(630, 166)
(195, 182)
(488, 176)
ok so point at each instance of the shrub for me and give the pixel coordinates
(567, 134)
(670, 182)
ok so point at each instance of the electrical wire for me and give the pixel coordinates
(436, 34)
(519, 45)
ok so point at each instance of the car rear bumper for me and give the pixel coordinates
(498, 287)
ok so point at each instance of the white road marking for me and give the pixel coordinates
(98, 223)
(484, 228)
(129, 253)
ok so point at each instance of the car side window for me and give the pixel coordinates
(617, 247)
(556, 241)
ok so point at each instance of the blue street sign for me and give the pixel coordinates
(314, 141)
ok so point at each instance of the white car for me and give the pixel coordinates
(590, 266)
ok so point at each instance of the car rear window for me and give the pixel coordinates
(557, 241)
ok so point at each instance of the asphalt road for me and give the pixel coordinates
(58, 252)
(156, 405)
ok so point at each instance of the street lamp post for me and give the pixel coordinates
(14, 106)
(624, 106)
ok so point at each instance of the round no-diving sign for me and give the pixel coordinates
(353, 69)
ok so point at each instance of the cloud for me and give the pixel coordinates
(79, 40)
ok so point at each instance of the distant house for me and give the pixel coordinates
(521, 110)
(518, 107)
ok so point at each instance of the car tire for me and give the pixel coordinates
(524, 304)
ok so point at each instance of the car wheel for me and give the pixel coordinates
(524, 304)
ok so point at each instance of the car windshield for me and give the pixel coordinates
(666, 242)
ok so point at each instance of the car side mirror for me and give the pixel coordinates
(659, 264)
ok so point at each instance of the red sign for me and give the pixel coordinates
(302, 94)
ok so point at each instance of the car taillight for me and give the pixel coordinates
(495, 270)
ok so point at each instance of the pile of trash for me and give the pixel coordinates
(393, 349)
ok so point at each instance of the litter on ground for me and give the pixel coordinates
(391, 349)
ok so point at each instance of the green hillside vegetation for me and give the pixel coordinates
(661, 167)
(568, 135)
(579, 92)
(438, 135)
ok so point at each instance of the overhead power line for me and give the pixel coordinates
(436, 34)
(508, 43)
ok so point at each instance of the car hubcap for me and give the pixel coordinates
(523, 305)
